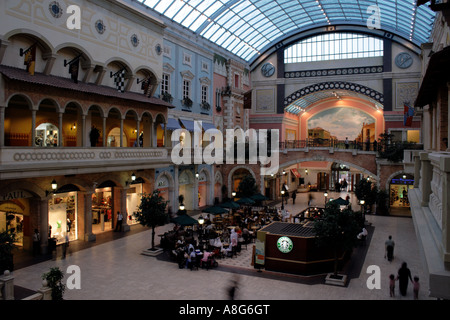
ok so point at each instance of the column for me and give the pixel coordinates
(417, 163)
(448, 116)
(33, 127)
(425, 178)
(195, 199)
(154, 136)
(2, 126)
(84, 131)
(44, 225)
(60, 127)
(88, 235)
(165, 135)
(123, 208)
(138, 130)
(176, 190)
(121, 133)
(104, 132)
(444, 166)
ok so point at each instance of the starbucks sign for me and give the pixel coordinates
(285, 244)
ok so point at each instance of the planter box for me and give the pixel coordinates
(338, 280)
(152, 253)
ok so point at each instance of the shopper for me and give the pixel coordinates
(119, 222)
(389, 247)
(36, 242)
(392, 285)
(404, 274)
(416, 287)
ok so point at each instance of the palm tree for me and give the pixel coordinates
(152, 212)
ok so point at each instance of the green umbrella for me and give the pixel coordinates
(245, 201)
(230, 205)
(258, 197)
(341, 201)
(215, 210)
(184, 220)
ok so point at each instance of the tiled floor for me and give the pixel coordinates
(116, 270)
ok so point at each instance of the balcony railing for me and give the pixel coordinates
(50, 160)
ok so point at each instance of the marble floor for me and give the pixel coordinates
(116, 270)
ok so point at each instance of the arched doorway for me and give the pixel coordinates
(116, 136)
(186, 189)
(18, 122)
(164, 184)
(399, 187)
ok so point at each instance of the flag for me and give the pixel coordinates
(147, 87)
(73, 70)
(119, 80)
(30, 59)
(408, 114)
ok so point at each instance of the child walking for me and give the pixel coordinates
(392, 285)
(416, 287)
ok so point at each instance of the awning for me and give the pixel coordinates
(189, 125)
(295, 173)
(172, 124)
(437, 75)
(209, 126)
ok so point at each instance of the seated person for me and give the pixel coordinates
(362, 234)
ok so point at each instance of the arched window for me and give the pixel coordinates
(334, 46)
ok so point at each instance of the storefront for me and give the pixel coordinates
(63, 216)
(15, 216)
(398, 190)
(102, 202)
(134, 194)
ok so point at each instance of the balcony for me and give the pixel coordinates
(430, 209)
(26, 162)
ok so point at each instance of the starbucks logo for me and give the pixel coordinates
(285, 244)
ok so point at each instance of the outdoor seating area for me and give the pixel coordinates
(221, 232)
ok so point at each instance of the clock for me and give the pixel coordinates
(403, 60)
(285, 244)
(268, 69)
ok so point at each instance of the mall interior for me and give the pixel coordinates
(91, 106)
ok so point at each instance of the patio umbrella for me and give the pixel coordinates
(341, 201)
(245, 201)
(184, 220)
(258, 197)
(230, 205)
(215, 210)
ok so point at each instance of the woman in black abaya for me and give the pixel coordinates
(404, 274)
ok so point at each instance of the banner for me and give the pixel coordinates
(408, 114)
(30, 59)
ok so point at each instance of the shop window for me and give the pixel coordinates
(46, 135)
(134, 194)
(62, 216)
(102, 201)
(12, 222)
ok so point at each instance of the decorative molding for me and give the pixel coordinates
(335, 85)
(333, 72)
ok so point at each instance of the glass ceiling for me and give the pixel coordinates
(247, 27)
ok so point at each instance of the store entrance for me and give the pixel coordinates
(12, 222)
(102, 202)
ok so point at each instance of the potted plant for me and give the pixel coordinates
(152, 213)
(54, 281)
(166, 96)
(205, 105)
(187, 102)
(6, 246)
(338, 231)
